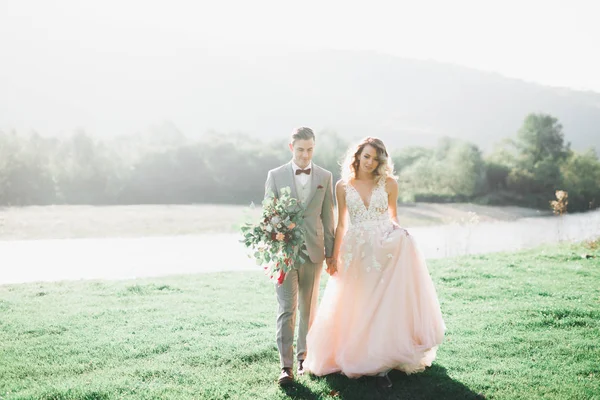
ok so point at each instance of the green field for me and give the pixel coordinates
(520, 326)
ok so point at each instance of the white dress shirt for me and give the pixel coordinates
(302, 179)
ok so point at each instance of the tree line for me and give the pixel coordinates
(166, 167)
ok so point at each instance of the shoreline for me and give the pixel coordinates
(115, 258)
(70, 222)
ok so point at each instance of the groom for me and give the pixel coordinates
(312, 186)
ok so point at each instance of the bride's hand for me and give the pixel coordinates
(331, 265)
(397, 226)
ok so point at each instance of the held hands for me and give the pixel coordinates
(331, 265)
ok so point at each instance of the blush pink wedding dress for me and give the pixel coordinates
(380, 311)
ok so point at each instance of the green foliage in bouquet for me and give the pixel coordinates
(277, 241)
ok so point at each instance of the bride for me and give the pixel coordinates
(380, 309)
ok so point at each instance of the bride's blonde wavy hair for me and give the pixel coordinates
(351, 164)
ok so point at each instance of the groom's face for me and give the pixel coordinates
(302, 152)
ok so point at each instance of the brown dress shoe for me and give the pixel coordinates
(286, 377)
(301, 370)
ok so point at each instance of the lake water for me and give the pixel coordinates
(127, 258)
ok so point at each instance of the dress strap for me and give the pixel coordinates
(346, 184)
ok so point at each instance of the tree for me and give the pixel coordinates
(330, 151)
(461, 168)
(25, 176)
(541, 138)
(534, 158)
(407, 156)
(86, 171)
(581, 179)
(453, 170)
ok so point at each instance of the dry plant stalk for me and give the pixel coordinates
(559, 206)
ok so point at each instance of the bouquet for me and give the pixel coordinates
(278, 240)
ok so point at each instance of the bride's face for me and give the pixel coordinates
(368, 159)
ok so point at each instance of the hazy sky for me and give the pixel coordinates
(545, 41)
(549, 42)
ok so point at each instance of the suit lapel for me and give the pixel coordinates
(290, 173)
(314, 182)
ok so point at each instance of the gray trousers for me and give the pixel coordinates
(300, 290)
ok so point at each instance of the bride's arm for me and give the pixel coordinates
(391, 186)
(340, 230)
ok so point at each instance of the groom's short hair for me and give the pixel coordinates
(302, 133)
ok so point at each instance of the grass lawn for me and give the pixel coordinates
(520, 326)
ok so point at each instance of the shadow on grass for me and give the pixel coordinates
(297, 390)
(434, 383)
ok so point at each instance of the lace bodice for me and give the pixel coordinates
(377, 209)
(369, 228)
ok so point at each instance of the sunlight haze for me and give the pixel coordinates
(113, 65)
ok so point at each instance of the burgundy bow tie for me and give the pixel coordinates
(303, 171)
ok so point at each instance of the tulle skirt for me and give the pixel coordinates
(380, 311)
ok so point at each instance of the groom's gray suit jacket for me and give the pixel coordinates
(318, 210)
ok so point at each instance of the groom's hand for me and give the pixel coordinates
(331, 265)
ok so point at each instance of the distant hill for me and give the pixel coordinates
(265, 93)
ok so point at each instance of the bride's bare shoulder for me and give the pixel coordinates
(340, 186)
(390, 183)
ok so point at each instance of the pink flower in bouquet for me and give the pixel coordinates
(280, 277)
(272, 240)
